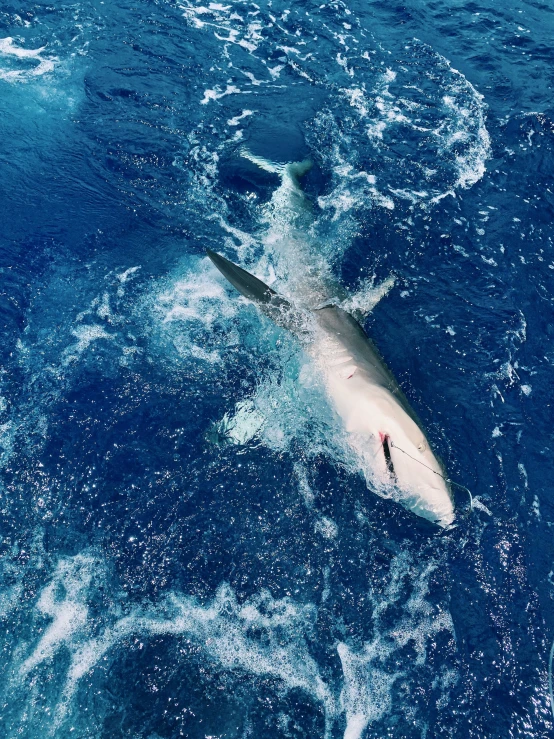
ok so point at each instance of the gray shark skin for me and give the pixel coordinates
(382, 429)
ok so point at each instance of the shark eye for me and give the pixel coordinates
(422, 446)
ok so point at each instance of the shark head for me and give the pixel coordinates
(416, 475)
(396, 457)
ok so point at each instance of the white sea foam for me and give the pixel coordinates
(523, 473)
(85, 335)
(186, 307)
(357, 99)
(354, 189)
(10, 599)
(246, 242)
(238, 118)
(69, 614)
(124, 276)
(462, 140)
(292, 410)
(478, 505)
(196, 296)
(7, 440)
(7, 46)
(218, 93)
(259, 637)
(223, 19)
(468, 121)
(366, 695)
(243, 425)
(43, 64)
(223, 629)
(71, 340)
(367, 692)
(327, 527)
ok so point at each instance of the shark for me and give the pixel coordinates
(381, 427)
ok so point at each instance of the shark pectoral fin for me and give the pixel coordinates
(272, 304)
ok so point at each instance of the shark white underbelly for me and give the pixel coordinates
(381, 426)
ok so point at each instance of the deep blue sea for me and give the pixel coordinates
(186, 549)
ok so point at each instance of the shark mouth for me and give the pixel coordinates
(388, 458)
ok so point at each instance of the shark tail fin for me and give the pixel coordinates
(299, 169)
(272, 304)
(293, 169)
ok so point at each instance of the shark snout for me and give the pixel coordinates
(418, 477)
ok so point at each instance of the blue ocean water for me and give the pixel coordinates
(186, 548)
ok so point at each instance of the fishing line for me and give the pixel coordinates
(550, 678)
(457, 484)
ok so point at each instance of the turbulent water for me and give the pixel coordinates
(187, 548)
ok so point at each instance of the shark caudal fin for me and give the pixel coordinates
(272, 304)
(295, 170)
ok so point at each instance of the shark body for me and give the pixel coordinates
(381, 427)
